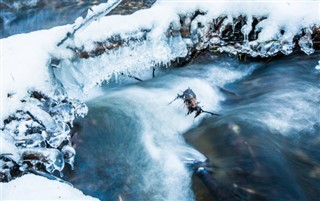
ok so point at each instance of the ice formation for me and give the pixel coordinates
(110, 47)
(41, 133)
(60, 65)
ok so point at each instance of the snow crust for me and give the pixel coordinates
(32, 187)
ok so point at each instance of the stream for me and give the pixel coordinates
(132, 145)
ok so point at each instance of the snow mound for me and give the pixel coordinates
(32, 187)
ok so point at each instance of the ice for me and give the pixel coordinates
(286, 47)
(199, 32)
(177, 46)
(246, 29)
(33, 140)
(55, 139)
(42, 117)
(306, 43)
(44, 124)
(64, 111)
(52, 159)
(69, 154)
(155, 40)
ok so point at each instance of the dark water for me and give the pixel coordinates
(113, 165)
(265, 146)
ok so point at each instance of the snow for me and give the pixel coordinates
(24, 65)
(32, 187)
(290, 16)
(7, 147)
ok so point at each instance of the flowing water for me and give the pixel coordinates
(134, 146)
(266, 144)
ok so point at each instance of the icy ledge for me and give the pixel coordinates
(46, 73)
(177, 32)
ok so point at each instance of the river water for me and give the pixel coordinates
(132, 145)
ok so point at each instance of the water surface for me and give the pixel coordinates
(263, 147)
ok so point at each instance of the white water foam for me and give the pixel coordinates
(162, 129)
(293, 111)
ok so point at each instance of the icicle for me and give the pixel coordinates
(286, 47)
(305, 42)
(68, 154)
(245, 30)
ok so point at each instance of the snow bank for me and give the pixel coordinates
(32, 187)
(24, 64)
(290, 16)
